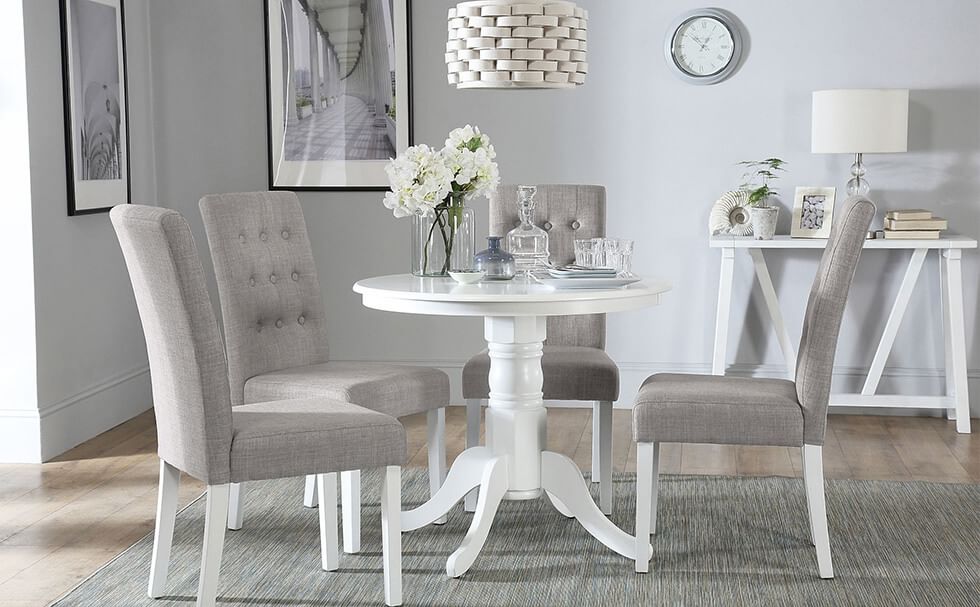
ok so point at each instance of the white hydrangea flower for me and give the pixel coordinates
(422, 178)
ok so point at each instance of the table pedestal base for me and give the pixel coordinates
(514, 465)
(561, 479)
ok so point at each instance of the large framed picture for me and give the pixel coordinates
(813, 212)
(93, 60)
(339, 91)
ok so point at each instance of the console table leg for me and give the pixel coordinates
(957, 338)
(947, 337)
(772, 303)
(724, 311)
(894, 322)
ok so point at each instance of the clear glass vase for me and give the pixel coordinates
(443, 239)
(527, 242)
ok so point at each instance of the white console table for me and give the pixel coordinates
(956, 401)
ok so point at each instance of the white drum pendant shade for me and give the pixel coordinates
(517, 44)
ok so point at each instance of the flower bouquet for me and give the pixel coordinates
(432, 186)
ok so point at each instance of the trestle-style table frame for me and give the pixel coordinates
(950, 248)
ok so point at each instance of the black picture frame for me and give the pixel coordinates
(269, 40)
(71, 171)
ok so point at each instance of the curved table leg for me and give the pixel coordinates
(493, 485)
(561, 478)
(560, 507)
(463, 476)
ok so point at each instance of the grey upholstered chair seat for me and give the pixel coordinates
(677, 408)
(395, 390)
(311, 436)
(570, 373)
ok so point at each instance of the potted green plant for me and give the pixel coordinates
(304, 106)
(756, 181)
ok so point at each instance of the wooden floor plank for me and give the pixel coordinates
(964, 447)
(923, 451)
(868, 448)
(708, 459)
(756, 460)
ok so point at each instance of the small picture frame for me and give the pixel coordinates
(813, 212)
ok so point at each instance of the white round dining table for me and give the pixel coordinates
(514, 464)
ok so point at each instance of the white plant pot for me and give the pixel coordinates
(764, 222)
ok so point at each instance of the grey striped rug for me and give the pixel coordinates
(722, 541)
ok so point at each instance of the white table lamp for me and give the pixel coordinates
(860, 121)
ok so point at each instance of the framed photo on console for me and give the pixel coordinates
(813, 212)
(339, 91)
(93, 63)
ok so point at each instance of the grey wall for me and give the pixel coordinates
(664, 149)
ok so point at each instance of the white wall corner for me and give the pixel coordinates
(19, 419)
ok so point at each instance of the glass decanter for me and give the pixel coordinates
(527, 242)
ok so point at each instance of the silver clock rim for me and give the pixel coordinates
(728, 21)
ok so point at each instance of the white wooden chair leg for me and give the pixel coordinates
(436, 425)
(350, 499)
(813, 478)
(644, 502)
(309, 493)
(809, 503)
(235, 513)
(327, 494)
(596, 432)
(474, 408)
(605, 410)
(391, 534)
(163, 535)
(215, 521)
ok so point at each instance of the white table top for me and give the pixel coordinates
(518, 297)
(945, 241)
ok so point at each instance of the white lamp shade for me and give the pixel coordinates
(860, 121)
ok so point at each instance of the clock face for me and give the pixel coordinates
(702, 47)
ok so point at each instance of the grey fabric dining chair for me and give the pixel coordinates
(200, 434)
(575, 364)
(678, 408)
(276, 334)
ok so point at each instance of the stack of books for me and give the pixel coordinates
(913, 224)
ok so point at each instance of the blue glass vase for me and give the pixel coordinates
(496, 263)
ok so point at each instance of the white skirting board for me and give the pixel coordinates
(35, 436)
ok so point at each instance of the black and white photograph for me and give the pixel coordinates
(339, 93)
(95, 104)
(813, 211)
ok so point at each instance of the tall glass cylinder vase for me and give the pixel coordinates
(443, 239)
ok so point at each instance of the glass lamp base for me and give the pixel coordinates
(858, 185)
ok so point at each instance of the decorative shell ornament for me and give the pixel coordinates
(731, 214)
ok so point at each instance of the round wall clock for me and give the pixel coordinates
(704, 45)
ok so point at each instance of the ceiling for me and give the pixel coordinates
(343, 20)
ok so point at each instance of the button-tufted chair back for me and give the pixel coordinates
(568, 213)
(188, 370)
(824, 311)
(271, 304)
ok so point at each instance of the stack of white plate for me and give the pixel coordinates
(579, 277)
